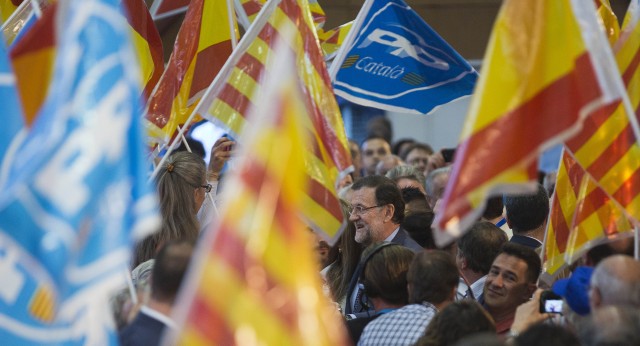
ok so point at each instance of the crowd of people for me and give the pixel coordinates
(386, 276)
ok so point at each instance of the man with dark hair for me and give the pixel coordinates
(527, 217)
(169, 268)
(418, 156)
(384, 277)
(431, 281)
(476, 251)
(373, 150)
(377, 212)
(511, 281)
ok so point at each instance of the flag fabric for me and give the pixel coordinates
(582, 216)
(78, 196)
(547, 67)
(32, 58)
(240, 81)
(33, 55)
(7, 7)
(607, 146)
(609, 20)
(331, 40)
(248, 11)
(147, 43)
(12, 118)
(259, 257)
(21, 19)
(201, 48)
(166, 8)
(394, 61)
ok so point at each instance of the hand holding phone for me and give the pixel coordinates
(551, 303)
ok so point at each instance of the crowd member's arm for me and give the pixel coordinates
(528, 314)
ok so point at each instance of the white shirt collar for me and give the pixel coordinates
(392, 235)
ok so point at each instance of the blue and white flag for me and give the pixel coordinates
(394, 61)
(11, 116)
(78, 197)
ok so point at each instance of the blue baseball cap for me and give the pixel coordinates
(575, 289)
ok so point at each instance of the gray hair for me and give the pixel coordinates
(408, 172)
(618, 280)
(432, 177)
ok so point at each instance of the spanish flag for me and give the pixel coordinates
(259, 258)
(201, 48)
(240, 81)
(548, 66)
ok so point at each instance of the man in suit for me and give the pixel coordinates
(154, 318)
(377, 212)
(527, 217)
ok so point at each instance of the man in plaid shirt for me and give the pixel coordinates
(432, 283)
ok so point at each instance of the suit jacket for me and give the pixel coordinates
(403, 238)
(144, 330)
(526, 241)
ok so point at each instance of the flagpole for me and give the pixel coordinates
(342, 51)
(244, 42)
(234, 39)
(636, 237)
(14, 14)
(35, 5)
(154, 8)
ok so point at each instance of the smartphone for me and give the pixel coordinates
(229, 148)
(448, 154)
(551, 303)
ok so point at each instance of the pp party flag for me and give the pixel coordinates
(259, 257)
(203, 45)
(33, 55)
(547, 67)
(78, 196)
(582, 215)
(235, 89)
(166, 8)
(12, 119)
(394, 61)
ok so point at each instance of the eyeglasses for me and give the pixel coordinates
(359, 210)
(207, 187)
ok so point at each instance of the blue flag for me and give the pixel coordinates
(11, 116)
(78, 197)
(394, 61)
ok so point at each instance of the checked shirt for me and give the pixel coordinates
(403, 326)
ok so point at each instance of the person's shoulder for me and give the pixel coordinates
(403, 238)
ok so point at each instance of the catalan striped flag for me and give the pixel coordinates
(249, 9)
(201, 48)
(607, 146)
(233, 94)
(582, 215)
(33, 55)
(541, 78)
(7, 7)
(259, 257)
(331, 40)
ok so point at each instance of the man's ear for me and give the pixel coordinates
(531, 288)
(595, 298)
(389, 213)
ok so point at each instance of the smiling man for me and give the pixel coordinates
(373, 150)
(511, 281)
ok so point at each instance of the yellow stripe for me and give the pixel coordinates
(606, 134)
(622, 170)
(141, 46)
(214, 27)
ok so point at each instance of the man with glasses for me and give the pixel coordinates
(377, 210)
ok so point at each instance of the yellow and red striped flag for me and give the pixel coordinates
(33, 55)
(607, 146)
(249, 9)
(548, 66)
(201, 49)
(582, 216)
(331, 40)
(240, 81)
(7, 7)
(609, 20)
(259, 258)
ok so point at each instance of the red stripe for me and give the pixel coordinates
(209, 61)
(251, 7)
(250, 66)
(628, 191)
(575, 173)
(551, 112)
(325, 198)
(613, 153)
(40, 36)
(208, 322)
(591, 126)
(560, 226)
(591, 203)
(235, 99)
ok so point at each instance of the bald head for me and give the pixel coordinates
(616, 281)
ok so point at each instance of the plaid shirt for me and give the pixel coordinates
(399, 327)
